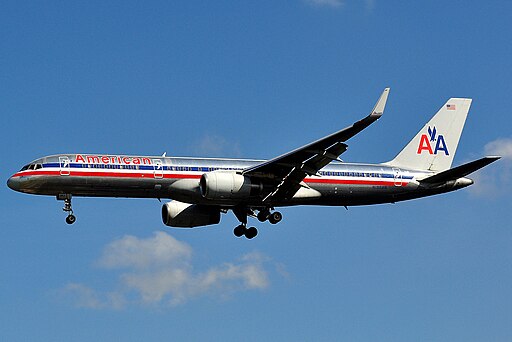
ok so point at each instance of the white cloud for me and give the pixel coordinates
(212, 145)
(370, 5)
(131, 252)
(86, 297)
(158, 270)
(495, 180)
(501, 147)
(327, 3)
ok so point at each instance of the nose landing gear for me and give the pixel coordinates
(70, 219)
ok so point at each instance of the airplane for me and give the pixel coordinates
(200, 189)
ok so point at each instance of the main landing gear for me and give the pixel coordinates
(242, 229)
(70, 219)
(241, 214)
(273, 218)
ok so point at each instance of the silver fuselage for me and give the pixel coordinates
(337, 184)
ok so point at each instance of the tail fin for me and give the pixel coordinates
(433, 148)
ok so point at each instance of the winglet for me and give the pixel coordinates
(381, 104)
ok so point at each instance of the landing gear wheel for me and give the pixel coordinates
(239, 230)
(263, 215)
(251, 233)
(70, 219)
(275, 217)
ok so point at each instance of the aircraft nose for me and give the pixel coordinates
(14, 183)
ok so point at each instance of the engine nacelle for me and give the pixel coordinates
(227, 185)
(184, 215)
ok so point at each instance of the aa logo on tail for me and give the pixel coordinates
(427, 143)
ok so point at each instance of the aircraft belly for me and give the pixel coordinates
(356, 194)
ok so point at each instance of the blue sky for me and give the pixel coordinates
(254, 79)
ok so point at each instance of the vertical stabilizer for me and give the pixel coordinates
(434, 147)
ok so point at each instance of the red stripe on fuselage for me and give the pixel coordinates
(151, 175)
(73, 173)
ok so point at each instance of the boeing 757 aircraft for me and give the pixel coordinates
(201, 189)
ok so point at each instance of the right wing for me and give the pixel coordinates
(287, 171)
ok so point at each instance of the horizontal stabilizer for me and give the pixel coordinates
(459, 171)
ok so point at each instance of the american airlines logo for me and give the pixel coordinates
(432, 143)
(95, 159)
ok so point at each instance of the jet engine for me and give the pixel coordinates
(185, 215)
(228, 185)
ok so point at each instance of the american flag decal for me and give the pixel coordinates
(450, 106)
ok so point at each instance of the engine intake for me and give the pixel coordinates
(228, 185)
(184, 215)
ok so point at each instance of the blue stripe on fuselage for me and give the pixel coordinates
(208, 169)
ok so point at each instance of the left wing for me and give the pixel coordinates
(288, 171)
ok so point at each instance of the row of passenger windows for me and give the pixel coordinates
(156, 167)
(133, 167)
(110, 166)
(199, 169)
(350, 174)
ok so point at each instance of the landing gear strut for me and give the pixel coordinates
(70, 219)
(241, 215)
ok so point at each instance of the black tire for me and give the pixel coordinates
(70, 219)
(251, 233)
(239, 231)
(262, 216)
(275, 217)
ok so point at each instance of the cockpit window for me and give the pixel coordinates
(31, 167)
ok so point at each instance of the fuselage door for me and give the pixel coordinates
(158, 168)
(64, 165)
(397, 176)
